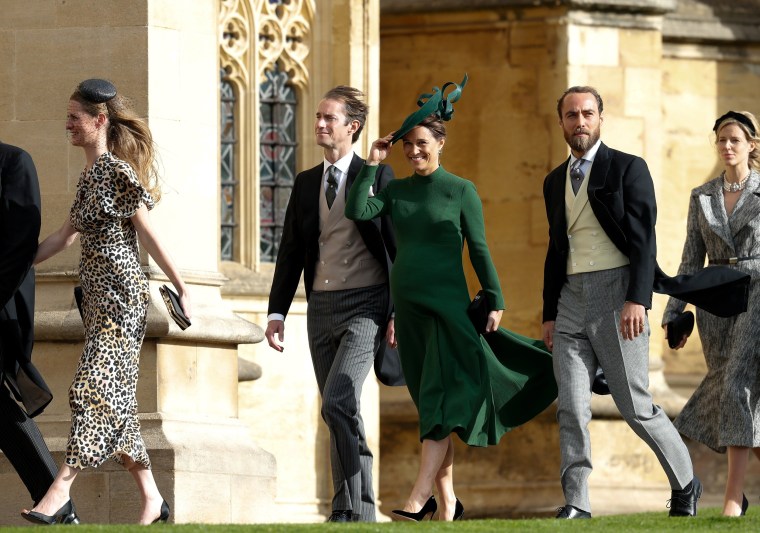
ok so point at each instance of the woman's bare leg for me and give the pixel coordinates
(444, 484)
(58, 493)
(738, 457)
(149, 494)
(432, 458)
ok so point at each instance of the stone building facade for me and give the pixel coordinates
(230, 88)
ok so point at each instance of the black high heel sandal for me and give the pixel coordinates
(458, 510)
(745, 504)
(65, 515)
(164, 516)
(430, 507)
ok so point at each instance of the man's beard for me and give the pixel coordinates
(582, 144)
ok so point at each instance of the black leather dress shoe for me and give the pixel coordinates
(684, 502)
(569, 511)
(341, 516)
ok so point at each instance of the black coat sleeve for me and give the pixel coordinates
(555, 264)
(638, 224)
(291, 256)
(19, 218)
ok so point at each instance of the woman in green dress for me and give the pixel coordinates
(477, 387)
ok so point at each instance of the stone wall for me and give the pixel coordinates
(665, 69)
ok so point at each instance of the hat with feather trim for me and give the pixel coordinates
(436, 102)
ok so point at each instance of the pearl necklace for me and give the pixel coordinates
(730, 186)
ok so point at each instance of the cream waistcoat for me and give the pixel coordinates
(590, 247)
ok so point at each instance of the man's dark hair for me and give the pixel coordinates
(580, 89)
(353, 105)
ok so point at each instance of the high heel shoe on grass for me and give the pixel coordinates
(458, 510)
(65, 515)
(745, 504)
(430, 508)
(164, 516)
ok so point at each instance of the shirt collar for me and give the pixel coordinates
(341, 164)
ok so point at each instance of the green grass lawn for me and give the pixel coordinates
(708, 520)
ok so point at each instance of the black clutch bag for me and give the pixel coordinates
(681, 325)
(171, 299)
(478, 312)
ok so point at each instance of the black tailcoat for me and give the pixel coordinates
(299, 249)
(19, 232)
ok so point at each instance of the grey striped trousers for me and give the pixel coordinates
(23, 445)
(586, 333)
(345, 329)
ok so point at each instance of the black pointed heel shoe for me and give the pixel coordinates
(65, 515)
(745, 504)
(430, 508)
(458, 511)
(164, 516)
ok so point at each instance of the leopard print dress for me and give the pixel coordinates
(102, 398)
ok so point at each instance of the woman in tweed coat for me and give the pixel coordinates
(724, 224)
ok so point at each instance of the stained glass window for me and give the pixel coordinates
(228, 172)
(277, 134)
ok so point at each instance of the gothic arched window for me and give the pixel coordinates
(229, 235)
(263, 48)
(277, 157)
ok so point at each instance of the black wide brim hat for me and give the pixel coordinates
(436, 102)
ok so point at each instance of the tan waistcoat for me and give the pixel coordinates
(344, 260)
(591, 249)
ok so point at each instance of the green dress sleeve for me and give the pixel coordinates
(360, 206)
(473, 228)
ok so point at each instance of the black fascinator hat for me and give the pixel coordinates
(436, 102)
(96, 90)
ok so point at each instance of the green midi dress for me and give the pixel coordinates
(478, 387)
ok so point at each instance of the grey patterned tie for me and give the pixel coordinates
(577, 175)
(332, 186)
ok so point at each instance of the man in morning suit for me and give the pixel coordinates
(20, 439)
(345, 265)
(598, 276)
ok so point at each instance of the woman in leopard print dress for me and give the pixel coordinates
(110, 211)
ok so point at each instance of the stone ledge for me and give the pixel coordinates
(628, 6)
(242, 282)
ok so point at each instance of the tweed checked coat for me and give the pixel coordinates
(724, 410)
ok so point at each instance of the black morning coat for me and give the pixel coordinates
(621, 195)
(299, 250)
(19, 232)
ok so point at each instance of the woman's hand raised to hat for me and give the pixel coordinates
(379, 150)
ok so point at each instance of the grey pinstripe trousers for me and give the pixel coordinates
(586, 332)
(345, 329)
(23, 445)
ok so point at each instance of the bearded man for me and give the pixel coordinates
(598, 277)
